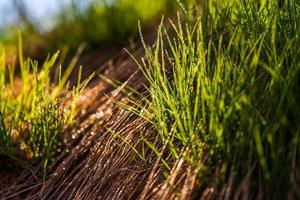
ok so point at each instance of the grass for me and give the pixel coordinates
(224, 95)
(33, 111)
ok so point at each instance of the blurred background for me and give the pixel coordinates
(51, 25)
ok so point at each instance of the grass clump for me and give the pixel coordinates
(224, 95)
(32, 112)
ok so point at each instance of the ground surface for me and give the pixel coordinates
(96, 162)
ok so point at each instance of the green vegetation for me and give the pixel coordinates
(224, 95)
(106, 23)
(32, 112)
(99, 24)
(222, 102)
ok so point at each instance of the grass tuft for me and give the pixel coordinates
(225, 94)
(32, 110)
